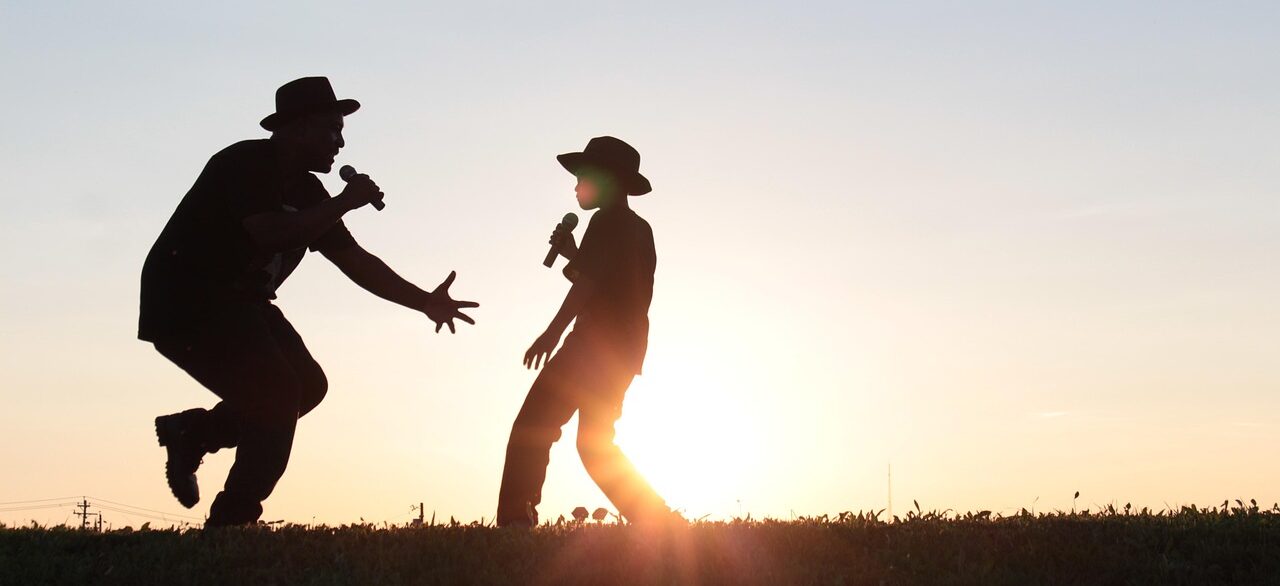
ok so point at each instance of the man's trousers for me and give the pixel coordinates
(250, 356)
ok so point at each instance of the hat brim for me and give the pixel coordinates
(276, 120)
(635, 183)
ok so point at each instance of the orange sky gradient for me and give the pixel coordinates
(1013, 251)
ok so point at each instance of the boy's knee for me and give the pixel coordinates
(594, 446)
(528, 433)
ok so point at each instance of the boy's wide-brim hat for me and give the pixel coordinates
(614, 156)
(303, 96)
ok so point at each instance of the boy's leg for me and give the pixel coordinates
(546, 409)
(605, 462)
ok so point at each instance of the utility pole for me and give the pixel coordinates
(84, 515)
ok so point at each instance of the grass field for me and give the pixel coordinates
(1221, 545)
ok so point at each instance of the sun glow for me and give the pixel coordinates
(689, 437)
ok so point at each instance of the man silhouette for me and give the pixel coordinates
(208, 282)
(612, 276)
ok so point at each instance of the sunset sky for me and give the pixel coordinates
(1013, 249)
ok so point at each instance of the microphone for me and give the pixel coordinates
(569, 222)
(346, 173)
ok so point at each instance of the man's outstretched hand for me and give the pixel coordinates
(443, 309)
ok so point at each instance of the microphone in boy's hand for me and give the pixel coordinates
(346, 173)
(569, 222)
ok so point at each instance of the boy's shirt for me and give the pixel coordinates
(618, 255)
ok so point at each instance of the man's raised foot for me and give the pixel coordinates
(185, 451)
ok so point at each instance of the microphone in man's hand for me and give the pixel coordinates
(346, 173)
(569, 222)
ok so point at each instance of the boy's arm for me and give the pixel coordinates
(582, 290)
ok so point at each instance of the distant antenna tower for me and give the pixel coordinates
(890, 517)
(84, 515)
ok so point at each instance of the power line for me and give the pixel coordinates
(41, 504)
(128, 506)
(61, 498)
(53, 506)
(160, 517)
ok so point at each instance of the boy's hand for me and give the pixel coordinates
(562, 238)
(540, 351)
(443, 309)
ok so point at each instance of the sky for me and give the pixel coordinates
(1012, 250)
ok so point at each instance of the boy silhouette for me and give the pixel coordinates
(612, 276)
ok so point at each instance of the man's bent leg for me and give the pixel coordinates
(265, 439)
(266, 428)
(239, 358)
(261, 460)
(545, 410)
(312, 383)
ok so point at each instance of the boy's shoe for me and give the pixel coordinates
(661, 520)
(184, 454)
(527, 521)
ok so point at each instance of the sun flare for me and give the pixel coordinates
(689, 438)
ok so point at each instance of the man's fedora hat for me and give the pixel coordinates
(612, 155)
(305, 96)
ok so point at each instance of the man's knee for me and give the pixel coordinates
(276, 403)
(312, 390)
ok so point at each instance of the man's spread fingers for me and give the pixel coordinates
(466, 304)
(451, 330)
(438, 327)
(448, 280)
(465, 318)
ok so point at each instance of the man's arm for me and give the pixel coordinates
(373, 275)
(280, 231)
(581, 292)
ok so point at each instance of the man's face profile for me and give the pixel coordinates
(317, 139)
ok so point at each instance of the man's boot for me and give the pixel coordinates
(229, 510)
(177, 433)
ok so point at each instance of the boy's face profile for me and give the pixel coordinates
(588, 193)
(594, 189)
